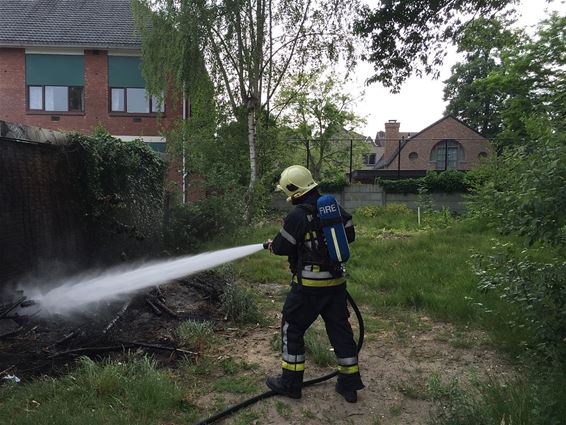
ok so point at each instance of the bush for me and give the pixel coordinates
(523, 191)
(333, 185)
(399, 186)
(122, 188)
(448, 181)
(189, 225)
(537, 290)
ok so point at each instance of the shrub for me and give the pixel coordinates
(537, 290)
(399, 186)
(523, 192)
(190, 224)
(448, 181)
(123, 190)
(333, 185)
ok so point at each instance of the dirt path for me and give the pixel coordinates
(404, 361)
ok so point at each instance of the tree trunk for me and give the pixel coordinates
(249, 198)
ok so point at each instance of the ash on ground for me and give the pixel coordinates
(31, 345)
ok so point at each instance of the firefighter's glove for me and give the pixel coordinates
(267, 244)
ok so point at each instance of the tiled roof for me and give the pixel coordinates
(68, 23)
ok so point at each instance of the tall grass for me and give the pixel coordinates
(528, 400)
(111, 392)
(426, 270)
(194, 334)
(395, 263)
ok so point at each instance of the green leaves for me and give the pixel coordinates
(410, 37)
(122, 187)
(319, 116)
(537, 290)
(448, 181)
(474, 91)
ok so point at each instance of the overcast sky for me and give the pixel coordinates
(420, 103)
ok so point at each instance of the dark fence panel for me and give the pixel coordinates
(40, 211)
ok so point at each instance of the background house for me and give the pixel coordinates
(74, 64)
(446, 144)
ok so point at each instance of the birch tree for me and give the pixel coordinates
(249, 47)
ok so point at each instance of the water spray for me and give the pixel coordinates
(79, 292)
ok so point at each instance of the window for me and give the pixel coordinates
(134, 101)
(55, 83)
(137, 101)
(413, 156)
(447, 154)
(36, 98)
(127, 87)
(118, 100)
(55, 98)
(369, 159)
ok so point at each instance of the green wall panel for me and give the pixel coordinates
(125, 71)
(157, 146)
(55, 70)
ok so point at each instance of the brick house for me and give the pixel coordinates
(446, 144)
(74, 64)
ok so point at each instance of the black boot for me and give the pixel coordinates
(351, 396)
(288, 389)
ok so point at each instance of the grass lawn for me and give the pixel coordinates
(396, 266)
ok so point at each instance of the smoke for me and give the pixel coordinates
(81, 292)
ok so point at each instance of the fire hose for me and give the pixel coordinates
(233, 409)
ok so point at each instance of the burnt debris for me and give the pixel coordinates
(31, 344)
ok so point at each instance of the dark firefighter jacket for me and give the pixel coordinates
(302, 241)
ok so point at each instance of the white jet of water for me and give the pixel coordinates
(73, 296)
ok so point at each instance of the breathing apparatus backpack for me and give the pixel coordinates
(333, 228)
(328, 225)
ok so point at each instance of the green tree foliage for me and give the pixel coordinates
(533, 80)
(448, 181)
(123, 189)
(523, 191)
(319, 116)
(410, 37)
(248, 46)
(507, 77)
(473, 93)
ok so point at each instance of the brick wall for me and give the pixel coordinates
(96, 109)
(13, 101)
(12, 85)
(448, 128)
(40, 217)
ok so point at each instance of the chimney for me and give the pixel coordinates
(391, 137)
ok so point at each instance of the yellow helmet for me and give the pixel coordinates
(295, 181)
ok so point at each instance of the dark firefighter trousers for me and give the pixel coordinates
(302, 307)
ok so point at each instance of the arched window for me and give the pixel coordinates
(447, 154)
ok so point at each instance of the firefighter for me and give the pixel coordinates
(318, 287)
